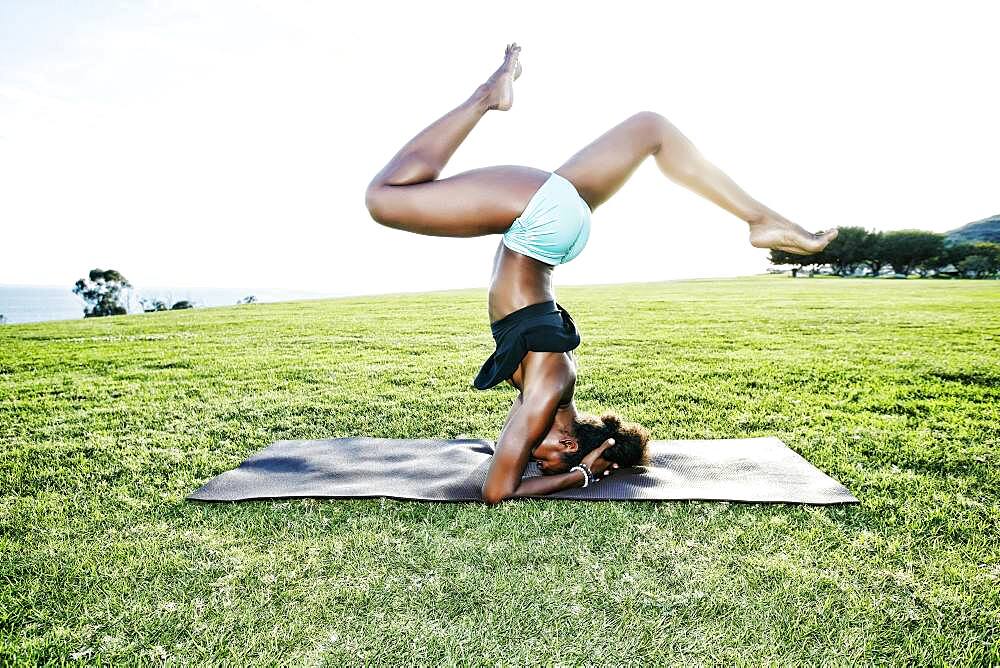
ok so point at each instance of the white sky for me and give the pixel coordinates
(230, 143)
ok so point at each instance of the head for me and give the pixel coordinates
(565, 446)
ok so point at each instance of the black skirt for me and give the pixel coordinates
(545, 327)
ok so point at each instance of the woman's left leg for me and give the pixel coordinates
(407, 194)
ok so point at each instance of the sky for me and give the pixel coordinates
(227, 144)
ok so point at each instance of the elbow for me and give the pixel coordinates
(492, 496)
(374, 203)
(492, 499)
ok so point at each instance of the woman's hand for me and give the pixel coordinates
(600, 466)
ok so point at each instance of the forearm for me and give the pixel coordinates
(549, 484)
(526, 427)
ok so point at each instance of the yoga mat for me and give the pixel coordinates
(752, 469)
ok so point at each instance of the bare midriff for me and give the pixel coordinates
(519, 281)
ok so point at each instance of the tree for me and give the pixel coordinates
(783, 257)
(181, 305)
(150, 305)
(951, 256)
(847, 251)
(977, 265)
(983, 261)
(103, 292)
(906, 249)
(872, 252)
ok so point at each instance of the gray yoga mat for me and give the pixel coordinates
(752, 469)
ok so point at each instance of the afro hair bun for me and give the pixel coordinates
(630, 439)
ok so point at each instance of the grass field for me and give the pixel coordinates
(892, 387)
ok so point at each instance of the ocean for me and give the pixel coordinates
(33, 303)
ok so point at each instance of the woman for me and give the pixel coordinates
(544, 218)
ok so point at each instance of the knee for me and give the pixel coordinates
(657, 129)
(649, 119)
(652, 126)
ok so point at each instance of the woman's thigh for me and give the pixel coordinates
(599, 169)
(473, 203)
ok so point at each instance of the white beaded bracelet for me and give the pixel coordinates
(586, 478)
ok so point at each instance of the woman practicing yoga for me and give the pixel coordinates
(544, 218)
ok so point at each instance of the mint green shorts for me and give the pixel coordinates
(554, 226)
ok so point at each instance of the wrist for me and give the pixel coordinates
(588, 475)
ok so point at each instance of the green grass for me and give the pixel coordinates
(892, 387)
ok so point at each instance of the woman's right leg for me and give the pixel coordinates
(406, 196)
(603, 166)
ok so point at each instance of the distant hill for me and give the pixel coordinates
(987, 229)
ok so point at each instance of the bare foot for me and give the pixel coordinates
(782, 234)
(499, 88)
